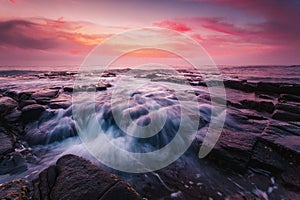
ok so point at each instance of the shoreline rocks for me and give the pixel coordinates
(76, 178)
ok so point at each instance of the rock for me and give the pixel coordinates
(63, 104)
(269, 88)
(294, 108)
(14, 116)
(18, 95)
(285, 116)
(24, 103)
(290, 89)
(233, 150)
(6, 142)
(278, 148)
(48, 129)
(17, 189)
(289, 97)
(12, 163)
(76, 178)
(32, 112)
(239, 85)
(68, 89)
(108, 74)
(261, 106)
(7, 105)
(44, 96)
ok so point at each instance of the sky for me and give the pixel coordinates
(233, 32)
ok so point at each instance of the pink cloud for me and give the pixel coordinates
(177, 26)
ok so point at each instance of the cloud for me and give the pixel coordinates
(177, 26)
(47, 34)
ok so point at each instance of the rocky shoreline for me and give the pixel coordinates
(256, 157)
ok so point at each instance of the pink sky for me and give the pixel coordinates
(233, 32)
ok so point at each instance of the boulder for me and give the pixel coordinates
(16, 189)
(7, 105)
(32, 112)
(76, 178)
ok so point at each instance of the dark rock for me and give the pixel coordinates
(239, 85)
(24, 103)
(14, 116)
(290, 89)
(285, 116)
(56, 105)
(48, 129)
(6, 142)
(7, 105)
(45, 94)
(68, 89)
(294, 108)
(32, 112)
(17, 189)
(13, 163)
(264, 96)
(291, 178)
(289, 97)
(18, 95)
(261, 106)
(76, 178)
(233, 150)
(269, 88)
(278, 148)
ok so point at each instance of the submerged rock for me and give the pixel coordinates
(12, 163)
(76, 178)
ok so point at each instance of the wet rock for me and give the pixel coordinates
(239, 85)
(293, 108)
(12, 163)
(293, 89)
(278, 148)
(269, 88)
(18, 189)
(261, 106)
(6, 142)
(291, 178)
(76, 178)
(285, 116)
(233, 150)
(48, 129)
(18, 95)
(14, 116)
(68, 89)
(32, 112)
(7, 105)
(44, 97)
(24, 103)
(289, 97)
(108, 74)
(61, 104)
